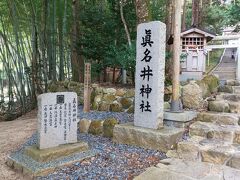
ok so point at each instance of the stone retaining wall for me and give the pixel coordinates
(112, 99)
(122, 99)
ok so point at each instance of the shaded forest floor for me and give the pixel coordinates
(12, 135)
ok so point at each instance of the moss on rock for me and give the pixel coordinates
(126, 102)
(120, 92)
(205, 88)
(108, 126)
(109, 98)
(212, 82)
(115, 107)
(96, 127)
(129, 93)
(103, 106)
(95, 106)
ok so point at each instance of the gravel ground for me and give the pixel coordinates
(122, 117)
(113, 161)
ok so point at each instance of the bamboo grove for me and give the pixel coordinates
(42, 41)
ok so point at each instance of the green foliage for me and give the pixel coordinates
(37, 40)
(215, 18)
(158, 10)
(126, 56)
(233, 13)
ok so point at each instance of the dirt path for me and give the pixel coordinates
(12, 135)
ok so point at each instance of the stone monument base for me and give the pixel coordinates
(179, 120)
(162, 140)
(32, 162)
(49, 154)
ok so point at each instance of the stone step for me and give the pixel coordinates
(219, 106)
(225, 76)
(224, 70)
(228, 133)
(177, 169)
(236, 89)
(224, 106)
(229, 89)
(226, 89)
(161, 139)
(219, 118)
(207, 150)
(234, 107)
(228, 97)
(232, 82)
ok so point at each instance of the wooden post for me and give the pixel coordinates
(175, 104)
(208, 56)
(238, 61)
(87, 88)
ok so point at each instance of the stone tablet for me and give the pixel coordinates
(57, 119)
(150, 69)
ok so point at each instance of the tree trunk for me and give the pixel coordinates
(184, 15)
(77, 60)
(49, 42)
(53, 30)
(125, 23)
(124, 73)
(142, 11)
(60, 39)
(169, 22)
(195, 13)
(169, 36)
(34, 60)
(44, 42)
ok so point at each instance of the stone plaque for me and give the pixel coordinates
(150, 69)
(57, 119)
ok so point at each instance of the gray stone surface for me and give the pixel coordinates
(31, 168)
(162, 140)
(229, 97)
(57, 119)
(232, 82)
(46, 155)
(192, 96)
(219, 118)
(234, 161)
(179, 120)
(226, 89)
(176, 169)
(219, 106)
(206, 150)
(182, 116)
(236, 89)
(84, 125)
(234, 107)
(151, 60)
(210, 130)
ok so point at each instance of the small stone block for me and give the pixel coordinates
(162, 140)
(45, 155)
(181, 117)
(17, 167)
(9, 162)
(84, 125)
(179, 120)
